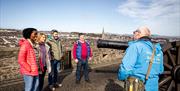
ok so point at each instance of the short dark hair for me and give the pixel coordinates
(53, 31)
(27, 32)
(80, 34)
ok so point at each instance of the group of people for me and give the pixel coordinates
(140, 68)
(38, 55)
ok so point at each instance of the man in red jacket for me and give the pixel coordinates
(81, 54)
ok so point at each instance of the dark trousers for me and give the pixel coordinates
(82, 64)
(41, 79)
(53, 76)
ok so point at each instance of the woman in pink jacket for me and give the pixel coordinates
(28, 59)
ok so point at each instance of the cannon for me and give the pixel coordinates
(170, 79)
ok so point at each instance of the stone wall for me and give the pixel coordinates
(9, 67)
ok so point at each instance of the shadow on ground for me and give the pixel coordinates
(61, 77)
(112, 86)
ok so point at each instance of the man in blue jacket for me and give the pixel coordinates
(137, 57)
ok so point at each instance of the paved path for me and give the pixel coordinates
(102, 79)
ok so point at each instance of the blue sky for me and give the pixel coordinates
(116, 16)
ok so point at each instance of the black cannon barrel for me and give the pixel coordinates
(112, 44)
(119, 44)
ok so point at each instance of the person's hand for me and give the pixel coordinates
(67, 49)
(62, 58)
(90, 58)
(49, 69)
(76, 60)
(32, 70)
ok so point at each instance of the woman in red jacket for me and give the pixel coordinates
(28, 59)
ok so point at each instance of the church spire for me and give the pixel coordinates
(103, 33)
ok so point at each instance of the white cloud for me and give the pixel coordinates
(151, 9)
(162, 16)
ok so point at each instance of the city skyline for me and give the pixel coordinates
(91, 16)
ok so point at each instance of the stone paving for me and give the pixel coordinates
(102, 79)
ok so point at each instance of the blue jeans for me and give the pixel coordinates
(31, 83)
(82, 64)
(53, 76)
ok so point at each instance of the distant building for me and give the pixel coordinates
(103, 34)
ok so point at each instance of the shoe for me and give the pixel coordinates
(88, 81)
(58, 85)
(77, 82)
(52, 88)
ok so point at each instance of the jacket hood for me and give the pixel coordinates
(151, 44)
(21, 41)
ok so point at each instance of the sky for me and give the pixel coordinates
(91, 16)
